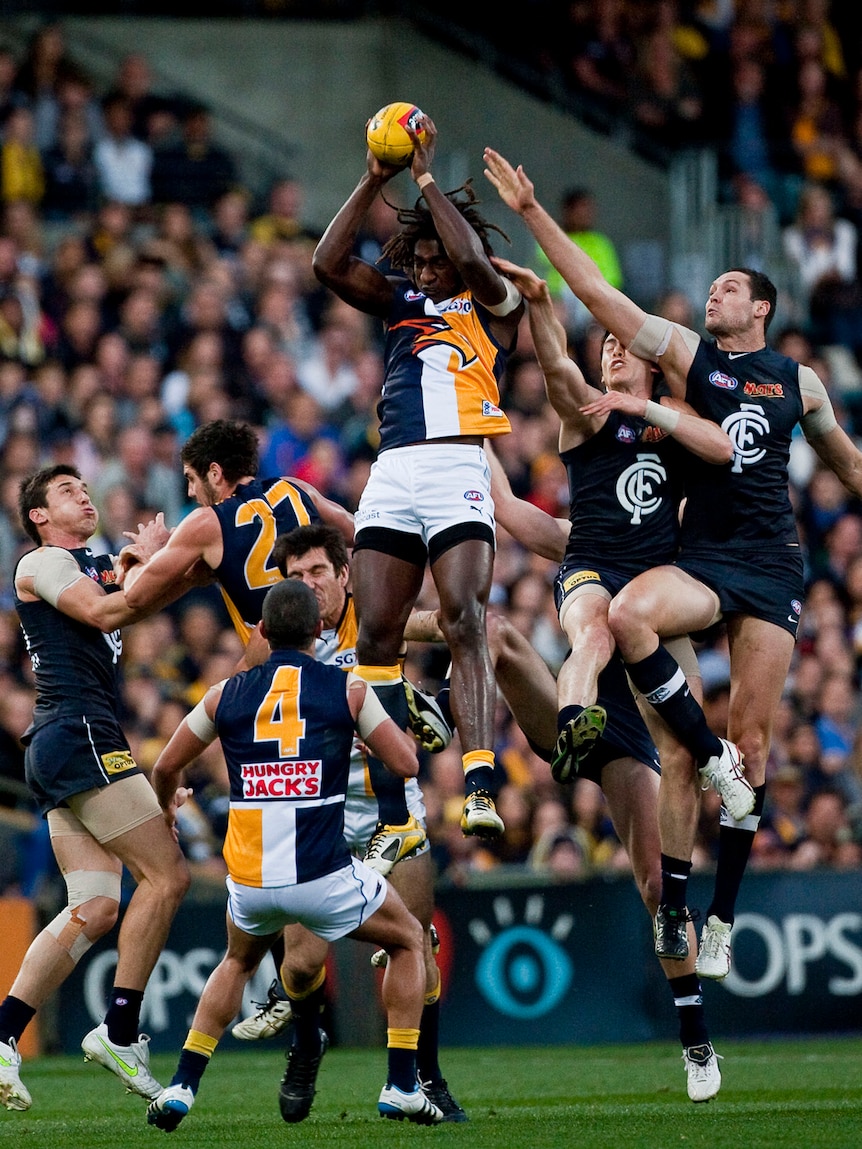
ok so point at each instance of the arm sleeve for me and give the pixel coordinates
(822, 419)
(52, 569)
(200, 723)
(652, 340)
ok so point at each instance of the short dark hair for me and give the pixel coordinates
(762, 287)
(231, 444)
(34, 493)
(298, 542)
(290, 615)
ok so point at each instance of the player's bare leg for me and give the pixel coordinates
(462, 575)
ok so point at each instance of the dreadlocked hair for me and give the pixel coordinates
(418, 223)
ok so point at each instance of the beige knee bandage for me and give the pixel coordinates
(81, 886)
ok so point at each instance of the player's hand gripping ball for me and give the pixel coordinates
(386, 134)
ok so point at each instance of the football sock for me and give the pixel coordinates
(124, 1011)
(401, 1049)
(735, 840)
(688, 999)
(388, 788)
(277, 951)
(194, 1058)
(662, 683)
(429, 1038)
(15, 1015)
(674, 881)
(306, 1012)
(567, 714)
(478, 770)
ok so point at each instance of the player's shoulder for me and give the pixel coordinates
(200, 522)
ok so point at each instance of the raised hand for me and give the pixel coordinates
(512, 184)
(530, 285)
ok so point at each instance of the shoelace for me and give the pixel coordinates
(301, 1069)
(376, 845)
(264, 1006)
(688, 916)
(479, 801)
(702, 1064)
(440, 1096)
(714, 943)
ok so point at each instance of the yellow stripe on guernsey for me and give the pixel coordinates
(239, 624)
(260, 843)
(243, 845)
(459, 389)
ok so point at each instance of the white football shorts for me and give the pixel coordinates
(426, 488)
(331, 907)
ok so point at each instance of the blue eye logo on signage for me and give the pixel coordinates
(524, 973)
(523, 970)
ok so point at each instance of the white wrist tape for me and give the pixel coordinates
(664, 417)
(513, 298)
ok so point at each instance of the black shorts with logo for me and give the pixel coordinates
(576, 570)
(73, 753)
(767, 584)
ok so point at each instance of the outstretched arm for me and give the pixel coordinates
(352, 279)
(567, 389)
(610, 307)
(700, 436)
(659, 339)
(837, 450)
(188, 741)
(529, 525)
(460, 240)
(178, 565)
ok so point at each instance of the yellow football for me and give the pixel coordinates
(387, 136)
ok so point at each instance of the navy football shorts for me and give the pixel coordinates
(766, 584)
(75, 753)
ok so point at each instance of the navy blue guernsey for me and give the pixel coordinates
(250, 520)
(755, 398)
(625, 484)
(76, 666)
(287, 733)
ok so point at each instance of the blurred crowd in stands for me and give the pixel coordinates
(144, 291)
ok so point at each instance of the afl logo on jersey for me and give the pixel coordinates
(625, 434)
(725, 382)
(412, 296)
(474, 496)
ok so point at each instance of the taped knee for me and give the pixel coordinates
(81, 886)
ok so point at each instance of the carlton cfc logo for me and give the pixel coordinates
(474, 496)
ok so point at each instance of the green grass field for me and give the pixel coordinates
(804, 1094)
